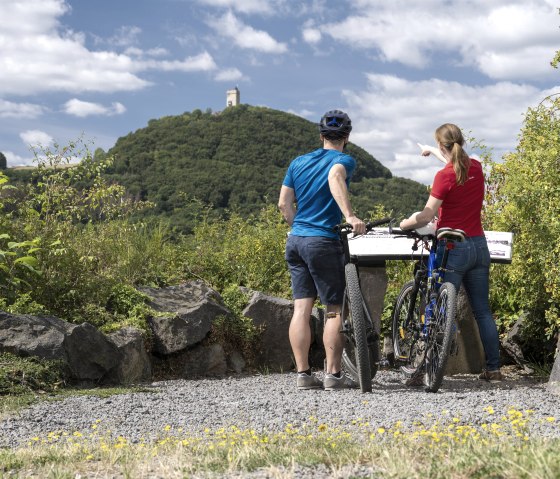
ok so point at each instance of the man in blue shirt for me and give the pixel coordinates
(318, 183)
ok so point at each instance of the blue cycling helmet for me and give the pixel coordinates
(335, 125)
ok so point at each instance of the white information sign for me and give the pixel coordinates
(378, 245)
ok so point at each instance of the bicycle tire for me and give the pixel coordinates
(355, 356)
(373, 348)
(408, 346)
(440, 336)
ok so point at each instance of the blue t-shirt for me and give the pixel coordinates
(317, 212)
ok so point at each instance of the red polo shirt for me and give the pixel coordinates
(462, 204)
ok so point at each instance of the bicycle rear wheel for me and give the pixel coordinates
(406, 331)
(440, 336)
(356, 355)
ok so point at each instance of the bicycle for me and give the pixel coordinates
(423, 322)
(360, 356)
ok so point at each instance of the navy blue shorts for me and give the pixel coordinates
(316, 267)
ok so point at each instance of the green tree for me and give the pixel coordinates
(3, 161)
(524, 197)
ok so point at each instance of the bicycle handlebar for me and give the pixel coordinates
(347, 227)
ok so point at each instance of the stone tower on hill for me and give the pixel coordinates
(232, 97)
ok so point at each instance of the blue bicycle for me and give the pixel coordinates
(423, 323)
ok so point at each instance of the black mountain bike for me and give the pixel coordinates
(424, 324)
(360, 357)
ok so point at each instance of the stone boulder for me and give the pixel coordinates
(188, 311)
(25, 335)
(90, 355)
(513, 342)
(272, 316)
(204, 361)
(469, 357)
(554, 380)
(135, 365)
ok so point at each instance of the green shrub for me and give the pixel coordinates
(236, 331)
(241, 252)
(21, 375)
(524, 198)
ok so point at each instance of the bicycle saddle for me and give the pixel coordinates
(451, 234)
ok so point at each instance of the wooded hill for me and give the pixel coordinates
(236, 160)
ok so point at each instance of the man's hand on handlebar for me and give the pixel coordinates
(358, 226)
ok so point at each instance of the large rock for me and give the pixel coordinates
(272, 316)
(373, 284)
(90, 355)
(135, 365)
(87, 353)
(512, 343)
(554, 380)
(469, 357)
(204, 361)
(25, 335)
(188, 311)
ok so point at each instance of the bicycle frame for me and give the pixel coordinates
(434, 276)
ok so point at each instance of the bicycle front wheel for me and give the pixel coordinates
(407, 329)
(442, 329)
(355, 357)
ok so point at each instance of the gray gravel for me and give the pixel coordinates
(267, 403)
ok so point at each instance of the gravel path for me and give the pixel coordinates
(268, 403)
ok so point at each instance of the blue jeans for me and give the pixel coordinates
(469, 263)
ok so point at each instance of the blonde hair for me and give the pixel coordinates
(451, 138)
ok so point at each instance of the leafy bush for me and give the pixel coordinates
(20, 375)
(88, 248)
(241, 252)
(525, 199)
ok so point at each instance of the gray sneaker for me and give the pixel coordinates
(343, 382)
(491, 376)
(308, 381)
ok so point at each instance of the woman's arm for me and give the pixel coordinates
(417, 220)
(427, 150)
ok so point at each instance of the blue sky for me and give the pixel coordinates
(400, 68)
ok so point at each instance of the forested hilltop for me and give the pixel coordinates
(236, 160)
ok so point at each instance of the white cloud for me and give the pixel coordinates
(245, 36)
(13, 159)
(34, 138)
(84, 108)
(152, 52)
(501, 39)
(393, 114)
(37, 55)
(125, 36)
(243, 6)
(229, 74)
(201, 62)
(305, 113)
(10, 109)
(311, 35)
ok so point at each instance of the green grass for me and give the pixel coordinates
(499, 448)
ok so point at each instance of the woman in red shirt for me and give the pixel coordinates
(457, 196)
